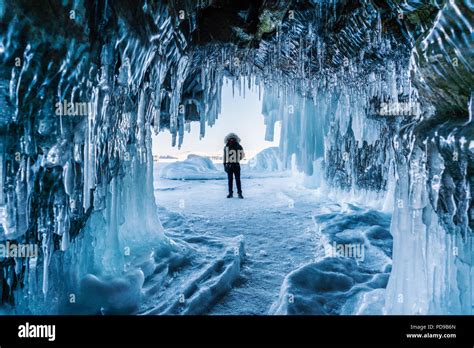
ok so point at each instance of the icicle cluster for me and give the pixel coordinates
(78, 178)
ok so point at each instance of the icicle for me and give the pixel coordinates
(65, 241)
(379, 28)
(68, 177)
(141, 126)
(47, 253)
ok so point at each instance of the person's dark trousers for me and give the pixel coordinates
(234, 170)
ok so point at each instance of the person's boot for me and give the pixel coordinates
(230, 195)
(240, 195)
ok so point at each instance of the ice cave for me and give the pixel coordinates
(363, 207)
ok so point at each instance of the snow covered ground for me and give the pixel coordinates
(352, 274)
(267, 253)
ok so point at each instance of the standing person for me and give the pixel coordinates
(233, 154)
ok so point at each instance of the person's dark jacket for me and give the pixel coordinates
(233, 152)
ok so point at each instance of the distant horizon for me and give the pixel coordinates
(240, 115)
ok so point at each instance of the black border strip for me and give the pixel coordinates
(225, 330)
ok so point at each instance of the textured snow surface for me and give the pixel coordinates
(193, 280)
(277, 219)
(338, 282)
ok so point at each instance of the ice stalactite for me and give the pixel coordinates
(342, 127)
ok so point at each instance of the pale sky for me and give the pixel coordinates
(239, 115)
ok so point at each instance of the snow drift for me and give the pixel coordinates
(193, 168)
(355, 261)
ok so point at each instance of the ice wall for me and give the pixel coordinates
(79, 104)
(399, 125)
(433, 216)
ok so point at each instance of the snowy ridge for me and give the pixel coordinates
(355, 259)
(193, 168)
(190, 279)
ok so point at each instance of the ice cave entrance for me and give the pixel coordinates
(241, 113)
(266, 239)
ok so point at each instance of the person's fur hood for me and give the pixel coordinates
(230, 136)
